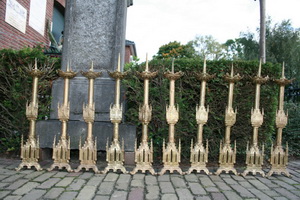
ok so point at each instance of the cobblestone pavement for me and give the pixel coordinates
(31, 184)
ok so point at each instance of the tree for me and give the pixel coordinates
(175, 50)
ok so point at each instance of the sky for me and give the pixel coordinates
(153, 23)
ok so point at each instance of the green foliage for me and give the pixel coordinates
(16, 90)
(175, 50)
(188, 95)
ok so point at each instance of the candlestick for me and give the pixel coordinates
(144, 154)
(227, 156)
(30, 150)
(255, 156)
(88, 152)
(115, 152)
(199, 154)
(171, 155)
(279, 156)
(61, 151)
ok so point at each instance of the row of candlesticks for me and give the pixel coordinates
(144, 152)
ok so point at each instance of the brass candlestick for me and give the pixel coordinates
(144, 154)
(227, 155)
(255, 156)
(115, 153)
(199, 154)
(88, 152)
(30, 150)
(279, 157)
(61, 151)
(171, 155)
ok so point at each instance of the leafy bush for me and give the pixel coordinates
(188, 96)
(16, 90)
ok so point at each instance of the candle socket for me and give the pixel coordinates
(171, 154)
(61, 150)
(279, 156)
(88, 152)
(144, 153)
(227, 155)
(31, 148)
(115, 152)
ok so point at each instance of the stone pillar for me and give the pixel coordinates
(94, 31)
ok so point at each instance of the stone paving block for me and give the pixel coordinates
(259, 194)
(280, 198)
(212, 189)
(136, 194)
(218, 196)
(286, 193)
(119, 195)
(284, 185)
(60, 174)
(44, 176)
(3, 185)
(230, 181)
(137, 183)
(206, 182)
(87, 192)
(27, 171)
(238, 178)
(222, 186)
(123, 182)
(7, 172)
(34, 174)
(267, 182)
(184, 194)
(259, 185)
(204, 198)
(296, 192)
(111, 177)
(178, 182)
(53, 193)
(245, 184)
(151, 180)
(138, 176)
(232, 195)
(3, 194)
(12, 197)
(216, 178)
(197, 188)
(164, 178)
(242, 191)
(74, 174)
(95, 180)
(68, 195)
(12, 178)
(76, 184)
(2, 177)
(166, 187)
(169, 197)
(271, 193)
(65, 182)
(26, 188)
(100, 197)
(17, 184)
(49, 183)
(86, 175)
(288, 180)
(152, 192)
(106, 188)
(191, 178)
(34, 194)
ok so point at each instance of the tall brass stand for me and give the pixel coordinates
(144, 154)
(88, 152)
(279, 157)
(255, 156)
(61, 151)
(171, 155)
(199, 154)
(115, 153)
(227, 155)
(30, 150)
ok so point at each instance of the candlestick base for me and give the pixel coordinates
(61, 155)
(254, 160)
(279, 160)
(171, 158)
(199, 158)
(30, 154)
(88, 156)
(144, 158)
(115, 157)
(227, 159)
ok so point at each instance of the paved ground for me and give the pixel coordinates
(30, 184)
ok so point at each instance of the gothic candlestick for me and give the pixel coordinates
(279, 157)
(199, 154)
(30, 150)
(171, 155)
(61, 151)
(88, 152)
(255, 156)
(144, 154)
(227, 156)
(114, 153)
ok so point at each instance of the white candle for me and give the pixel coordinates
(119, 63)
(68, 66)
(35, 64)
(282, 74)
(204, 67)
(259, 69)
(92, 66)
(231, 74)
(173, 65)
(147, 67)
